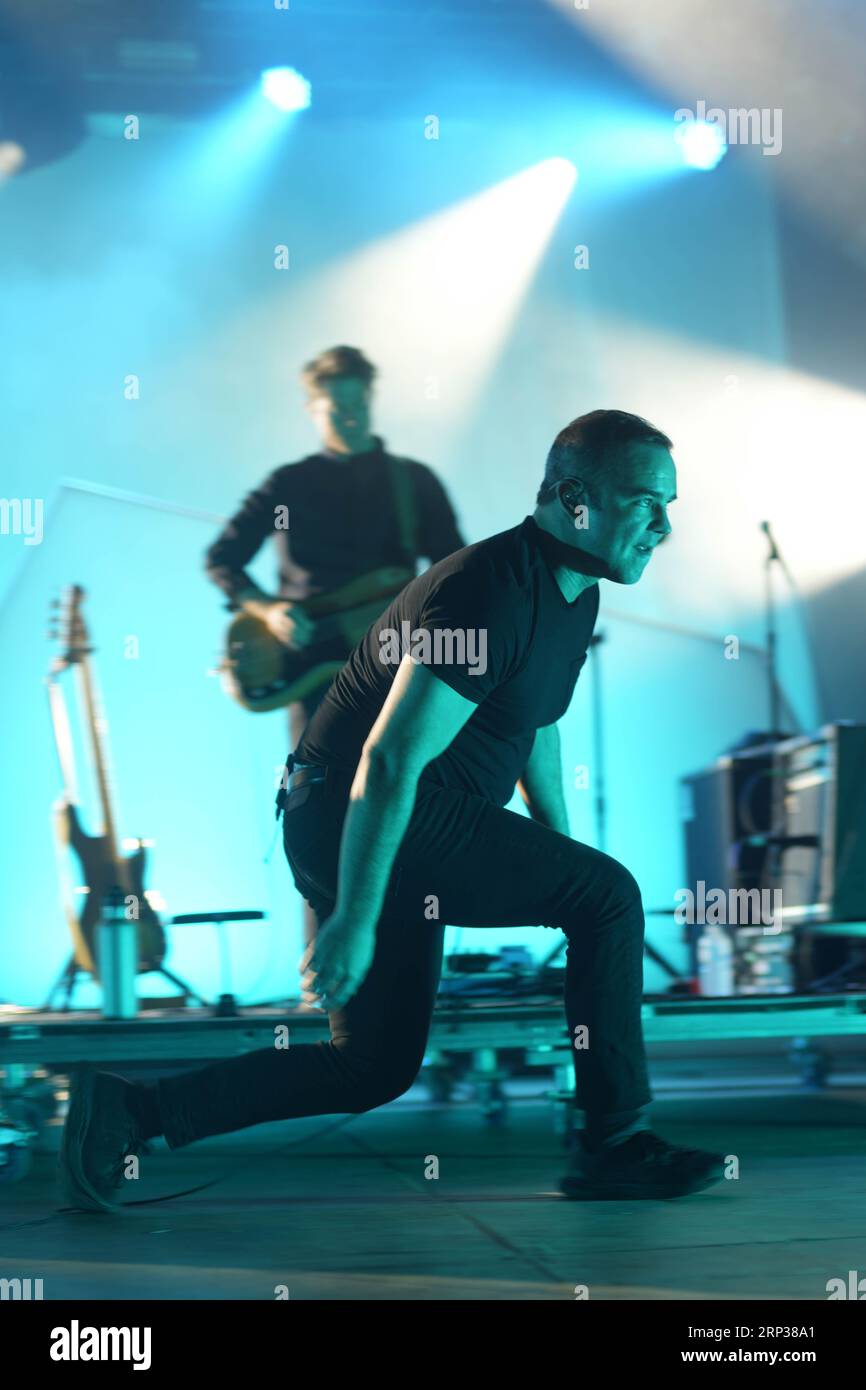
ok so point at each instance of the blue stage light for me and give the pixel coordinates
(702, 144)
(286, 89)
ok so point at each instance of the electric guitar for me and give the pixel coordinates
(282, 675)
(103, 867)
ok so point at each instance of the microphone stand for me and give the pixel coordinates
(774, 694)
(770, 611)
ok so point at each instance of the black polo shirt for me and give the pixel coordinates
(499, 631)
(342, 522)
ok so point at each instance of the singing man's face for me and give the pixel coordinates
(340, 409)
(627, 513)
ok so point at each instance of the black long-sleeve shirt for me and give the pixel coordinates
(333, 518)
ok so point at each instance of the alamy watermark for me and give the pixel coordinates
(740, 907)
(740, 125)
(855, 1288)
(445, 646)
(22, 516)
(21, 1289)
(77, 1343)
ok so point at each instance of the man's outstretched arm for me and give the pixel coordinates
(541, 783)
(420, 718)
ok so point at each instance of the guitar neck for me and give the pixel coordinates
(62, 739)
(94, 731)
(347, 611)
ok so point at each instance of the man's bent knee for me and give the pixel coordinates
(368, 1079)
(613, 892)
(371, 1092)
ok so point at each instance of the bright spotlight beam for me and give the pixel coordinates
(211, 175)
(702, 144)
(286, 89)
(438, 298)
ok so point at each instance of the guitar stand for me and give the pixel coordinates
(226, 1005)
(71, 971)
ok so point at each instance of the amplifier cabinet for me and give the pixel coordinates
(819, 792)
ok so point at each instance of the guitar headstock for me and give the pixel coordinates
(70, 629)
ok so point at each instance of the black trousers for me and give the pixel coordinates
(463, 862)
(300, 714)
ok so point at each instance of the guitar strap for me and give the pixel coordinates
(404, 503)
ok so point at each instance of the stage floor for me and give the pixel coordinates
(29, 1036)
(341, 1210)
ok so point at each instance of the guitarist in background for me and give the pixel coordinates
(352, 508)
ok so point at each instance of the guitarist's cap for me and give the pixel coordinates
(337, 362)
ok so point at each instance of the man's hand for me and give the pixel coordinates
(287, 622)
(334, 966)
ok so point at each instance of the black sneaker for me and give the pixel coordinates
(642, 1166)
(100, 1134)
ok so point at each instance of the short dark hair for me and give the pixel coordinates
(585, 446)
(337, 362)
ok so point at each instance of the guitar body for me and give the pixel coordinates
(101, 872)
(283, 676)
(103, 867)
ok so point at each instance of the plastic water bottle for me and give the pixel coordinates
(117, 949)
(715, 962)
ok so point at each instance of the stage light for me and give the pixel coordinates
(286, 89)
(218, 165)
(12, 158)
(447, 289)
(702, 144)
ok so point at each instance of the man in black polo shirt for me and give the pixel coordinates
(395, 824)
